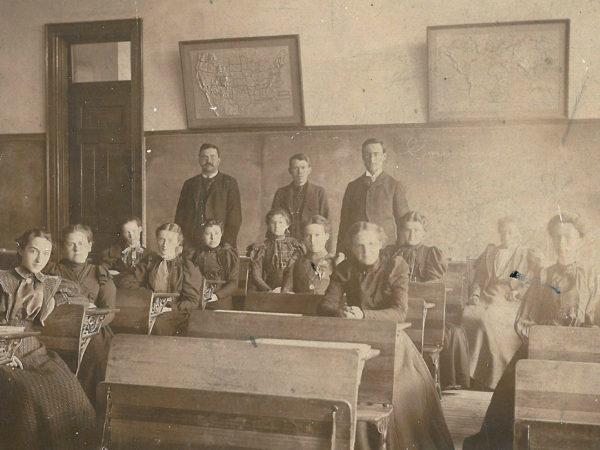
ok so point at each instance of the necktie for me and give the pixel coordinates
(28, 300)
(161, 281)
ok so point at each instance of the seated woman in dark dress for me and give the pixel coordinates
(310, 272)
(43, 405)
(374, 285)
(95, 283)
(429, 264)
(564, 294)
(168, 271)
(217, 260)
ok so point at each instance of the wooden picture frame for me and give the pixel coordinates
(242, 82)
(498, 71)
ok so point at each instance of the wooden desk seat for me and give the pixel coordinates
(557, 405)
(211, 420)
(138, 309)
(564, 343)
(175, 392)
(377, 388)
(427, 315)
(305, 304)
(457, 280)
(71, 327)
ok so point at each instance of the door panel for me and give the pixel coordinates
(100, 189)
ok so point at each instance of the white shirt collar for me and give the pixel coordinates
(210, 176)
(374, 175)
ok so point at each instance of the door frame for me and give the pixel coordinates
(59, 37)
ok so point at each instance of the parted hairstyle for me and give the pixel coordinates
(365, 226)
(77, 228)
(28, 235)
(506, 220)
(372, 141)
(414, 216)
(207, 145)
(278, 212)
(211, 223)
(319, 220)
(169, 226)
(300, 157)
(566, 217)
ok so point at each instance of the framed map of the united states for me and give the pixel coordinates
(243, 82)
(513, 70)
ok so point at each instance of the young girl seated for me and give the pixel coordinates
(270, 259)
(219, 264)
(43, 405)
(94, 282)
(310, 272)
(168, 271)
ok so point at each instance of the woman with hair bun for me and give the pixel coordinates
(43, 405)
(495, 296)
(371, 284)
(563, 294)
(429, 264)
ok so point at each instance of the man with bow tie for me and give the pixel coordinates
(210, 195)
(374, 197)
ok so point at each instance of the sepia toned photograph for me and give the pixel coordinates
(290, 224)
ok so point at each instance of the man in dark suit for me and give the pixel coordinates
(210, 195)
(301, 198)
(375, 197)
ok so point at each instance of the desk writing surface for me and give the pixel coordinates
(365, 350)
(233, 366)
(576, 344)
(233, 311)
(557, 392)
(377, 382)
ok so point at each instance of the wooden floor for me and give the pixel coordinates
(464, 411)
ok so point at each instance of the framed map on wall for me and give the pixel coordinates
(499, 71)
(242, 82)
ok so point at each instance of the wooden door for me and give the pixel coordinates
(100, 157)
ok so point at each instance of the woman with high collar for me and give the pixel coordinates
(563, 294)
(371, 284)
(489, 316)
(428, 263)
(43, 404)
(96, 284)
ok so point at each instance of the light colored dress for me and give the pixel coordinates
(490, 323)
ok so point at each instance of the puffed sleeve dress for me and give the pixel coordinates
(42, 406)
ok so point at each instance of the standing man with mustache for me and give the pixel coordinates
(210, 195)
